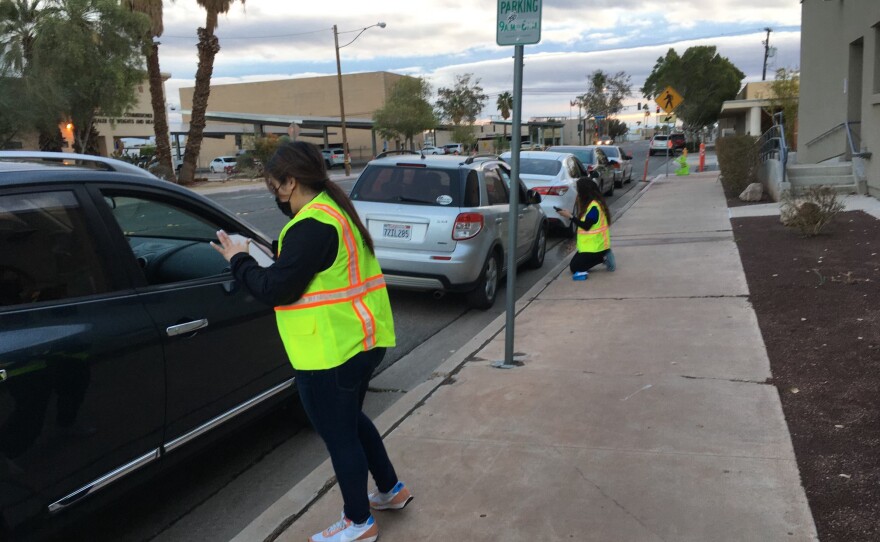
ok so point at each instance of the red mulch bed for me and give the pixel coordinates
(818, 306)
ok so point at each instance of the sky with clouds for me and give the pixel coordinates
(277, 39)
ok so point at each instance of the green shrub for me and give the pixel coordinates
(811, 210)
(738, 161)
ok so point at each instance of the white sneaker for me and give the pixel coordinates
(346, 531)
(397, 498)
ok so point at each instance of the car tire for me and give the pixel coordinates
(618, 184)
(483, 296)
(539, 250)
(610, 191)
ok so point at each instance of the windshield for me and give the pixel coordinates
(611, 152)
(537, 166)
(402, 184)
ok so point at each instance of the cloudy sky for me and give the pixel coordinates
(273, 39)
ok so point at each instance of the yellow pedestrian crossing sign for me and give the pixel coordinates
(669, 99)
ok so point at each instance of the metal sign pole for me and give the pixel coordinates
(514, 208)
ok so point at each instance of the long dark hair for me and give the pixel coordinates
(305, 163)
(588, 191)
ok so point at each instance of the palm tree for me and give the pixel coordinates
(208, 47)
(505, 104)
(19, 20)
(153, 10)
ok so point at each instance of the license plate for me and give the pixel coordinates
(397, 231)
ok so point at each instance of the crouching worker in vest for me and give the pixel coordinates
(593, 234)
(334, 318)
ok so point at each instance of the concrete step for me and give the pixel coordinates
(823, 179)
(820, 170)
(840, 189)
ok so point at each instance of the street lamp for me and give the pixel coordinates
(345, 152)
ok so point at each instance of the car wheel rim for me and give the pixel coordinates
(542, 245)
(491, 277)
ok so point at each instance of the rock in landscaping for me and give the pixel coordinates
(753, 192)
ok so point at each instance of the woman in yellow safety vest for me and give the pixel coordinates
(334, 318)
(593, 230)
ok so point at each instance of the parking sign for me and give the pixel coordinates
(519, 22)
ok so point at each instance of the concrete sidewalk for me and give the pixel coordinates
(641, 411)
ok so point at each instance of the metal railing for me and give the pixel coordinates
(772, 143)
(853, 139)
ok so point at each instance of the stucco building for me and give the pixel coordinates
(840, 86)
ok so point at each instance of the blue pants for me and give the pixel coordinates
(332, 399)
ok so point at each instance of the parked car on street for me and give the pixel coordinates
(658, 145)
(431, 149)
(453, 148)
(124, 338)
(679, 142)
(223, 164)
(553, 174)
(333, 157)
(440, 223)
(596, 163)
(621, 164)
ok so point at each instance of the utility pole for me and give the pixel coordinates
(766, 43)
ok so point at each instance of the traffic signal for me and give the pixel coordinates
(639, 106)
(658, 109)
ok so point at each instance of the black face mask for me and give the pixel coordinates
(284, 207)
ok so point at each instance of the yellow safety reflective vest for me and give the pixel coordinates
(598, 237)
(345, 309)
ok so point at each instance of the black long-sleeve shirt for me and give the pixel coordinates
(309, 247)
(591, 219)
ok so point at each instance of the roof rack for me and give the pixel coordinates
(471, 159)
(383, 154)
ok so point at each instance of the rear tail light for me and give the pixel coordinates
(615, 165)
(551, 190)
(590, 168)
(467, 225)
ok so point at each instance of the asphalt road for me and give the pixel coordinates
(215, 493)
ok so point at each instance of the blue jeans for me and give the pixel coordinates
(332, 399)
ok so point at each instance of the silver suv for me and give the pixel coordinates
(441, 223)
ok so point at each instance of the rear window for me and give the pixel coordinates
(584, 155)
(409, 185)
(660, 138)
(611, 152)
(536, 166)
(229, 160)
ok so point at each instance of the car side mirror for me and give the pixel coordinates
(534, 197)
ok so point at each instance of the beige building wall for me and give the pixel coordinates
(840, 82)
(137, 122)
(308, 97)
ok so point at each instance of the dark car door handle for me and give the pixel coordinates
(188, 327)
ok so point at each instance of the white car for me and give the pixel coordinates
(219, 164)
(554, 176)
(659, 145)
(453, 148)
(333, 157)
(621, 163)
(431, 149)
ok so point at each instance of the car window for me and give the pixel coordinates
(495, 187)
(411, 185)
(537, 166)
(229, 160)
(611, 152)
(472, 190)
(170, 243)
(505, 176)
(584, 155)
(48, 254)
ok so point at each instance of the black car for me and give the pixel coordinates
(123, 335)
